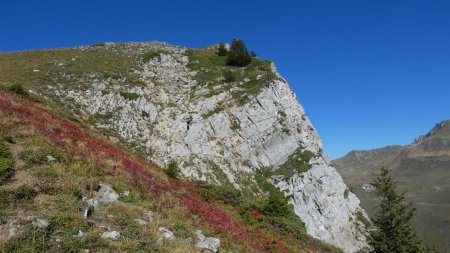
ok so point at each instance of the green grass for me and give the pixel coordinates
(297, 162)
(18, 90)
(6, 162)
(264, 211)
(213, 73)
(129, 95)
(229, 76)
(173, 170)
(98, 44)
(235, 125)
(147, 56)
(37, 69)
(217, 109)
(360, 217)
(55, 193)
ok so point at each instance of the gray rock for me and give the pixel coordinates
(12, 232)
(149, 216)
(79, 234)
(106, 195)
(111, 235)
(167, 234)
(207, 243)
(318, 197)
(92, 205)
(50, 158)
(40, 223)
(368, 187)
(141, 221)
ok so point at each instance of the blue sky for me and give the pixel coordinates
(369, 73)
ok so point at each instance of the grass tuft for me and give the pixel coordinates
(6, 162)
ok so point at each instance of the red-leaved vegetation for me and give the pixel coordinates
(74, 139)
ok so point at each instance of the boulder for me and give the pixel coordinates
(141, 221)
(148, 216)
(111, 235)
(167, 233)
(106, 194)
(207, 243)
(40, 223)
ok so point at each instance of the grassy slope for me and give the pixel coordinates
(52, 190)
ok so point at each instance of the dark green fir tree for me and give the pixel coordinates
(393, 231)
(238, 54)
(222, 50)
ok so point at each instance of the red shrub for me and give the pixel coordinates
(75, 140)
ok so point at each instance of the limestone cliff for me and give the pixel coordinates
(173, 103)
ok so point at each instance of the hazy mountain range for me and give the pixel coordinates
(422, 168)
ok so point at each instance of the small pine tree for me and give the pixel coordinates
(394, 232)
(222, 50)
(276, 205)
(172, 169)
(253, 54)
(238, 54)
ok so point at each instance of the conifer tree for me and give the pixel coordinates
(222, 50)
(238, 54)
(393, 231)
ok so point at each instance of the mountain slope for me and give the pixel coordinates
(62, 196)
(422, 168)
(171, 103)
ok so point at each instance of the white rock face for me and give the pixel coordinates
(215, 139)
(325, 205)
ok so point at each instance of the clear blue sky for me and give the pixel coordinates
(369, 73)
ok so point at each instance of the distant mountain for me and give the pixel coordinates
(422, 168)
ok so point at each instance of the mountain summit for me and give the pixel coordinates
(240, 127)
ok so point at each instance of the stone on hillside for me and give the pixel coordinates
(149, 215)
(368, 187)
(40, 223)
(79, 234)
(207, 243)
(111, 235)
(141, 221)
(12, 232)
(160, 241)
(92, 205)
(167, 233)
(106, 194)
(50, 158)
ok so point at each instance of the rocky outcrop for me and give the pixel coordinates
(217, 131)
(325, 205)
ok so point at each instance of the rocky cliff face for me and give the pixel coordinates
(173, 103)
